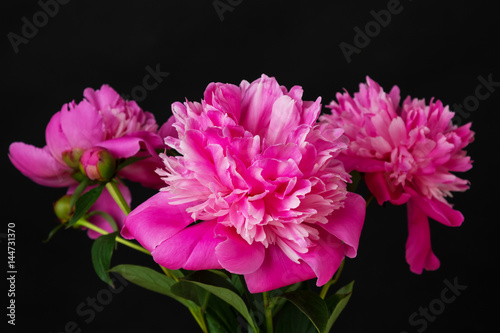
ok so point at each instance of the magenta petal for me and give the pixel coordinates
(57, 143)
(437, 210)
(156, 220)
(346, 223)
(127, 146)
(39, 165)
(277, 271)
(143, 172)
(105, 97)
(193, 248)
(419, 254)
(236, 255)
(324, 258)
(82, 125)
(384, 189)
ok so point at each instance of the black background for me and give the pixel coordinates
(429, 49)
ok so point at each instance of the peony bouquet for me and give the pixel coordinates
(256, 192)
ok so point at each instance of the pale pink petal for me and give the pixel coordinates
(285, 117)
(257, 103)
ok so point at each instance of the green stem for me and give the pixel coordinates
(198, 316)
(168, 273)
(268, 312)
(86, 224)
(325, 288)
(113, 189)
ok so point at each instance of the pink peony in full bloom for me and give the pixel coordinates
(257, 190)
(103, 119)
(407, 154)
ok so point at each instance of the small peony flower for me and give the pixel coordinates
(103, 119)
(408, 155)
(257, 190)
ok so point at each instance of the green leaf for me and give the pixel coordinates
(222, 315)
(78, 191)
(291, 319)
(311, 305)
(52, 233)
(150, 279)
(197, 295)
(337, 302)
(84, 203)
(227, 296)
(102, 250)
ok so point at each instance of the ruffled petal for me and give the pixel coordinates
(384, 189)
(257, 103)
(193, 248)
(82, 124)
(156, 220)
(39, 165)
(419, 253)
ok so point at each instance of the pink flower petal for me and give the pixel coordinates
(192, 248)
(346, 223)
(39, 165)
(156, 220)
(277, 271)
(385, 190)
(324, 258)
(437, 210)
(257, 104)
(82, 124)
(236, 255)
(419, 253)
(57, 142)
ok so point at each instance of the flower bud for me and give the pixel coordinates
(62, 208)
(98, 164)
(72, 157)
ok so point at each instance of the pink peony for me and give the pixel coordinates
(102, 119)
(257, 190)
(407, 154)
